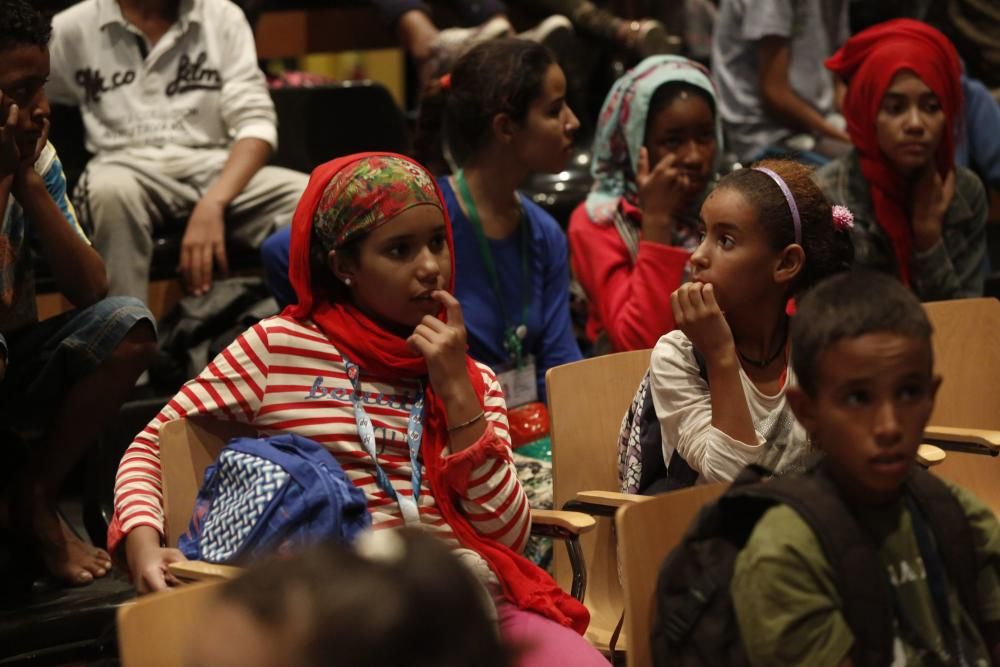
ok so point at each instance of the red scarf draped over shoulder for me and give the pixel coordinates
(867, 62)
(385, 354)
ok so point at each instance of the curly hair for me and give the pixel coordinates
(828, 250)
(23, 25)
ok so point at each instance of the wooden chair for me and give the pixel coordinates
(153, 630)
(975, 473)
(647, 532)
(189, 446)
(967, 356)
(587, 400)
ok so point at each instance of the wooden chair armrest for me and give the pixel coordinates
(967, 439)
(575, 523)
(196, 570)
(930, 455)
(610, 498)
(601, 503)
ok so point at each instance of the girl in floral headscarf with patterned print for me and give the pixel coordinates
(656, 152)
(371, 362)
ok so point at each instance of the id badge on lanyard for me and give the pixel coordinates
(414, 433)
(520, 384)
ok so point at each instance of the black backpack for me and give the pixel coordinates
(694, 620)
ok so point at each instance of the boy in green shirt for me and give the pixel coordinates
(862, 353)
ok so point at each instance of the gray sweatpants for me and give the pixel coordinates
(123, 201)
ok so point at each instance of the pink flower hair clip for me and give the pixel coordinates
(843, 219)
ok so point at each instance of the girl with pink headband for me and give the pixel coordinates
(718, 381)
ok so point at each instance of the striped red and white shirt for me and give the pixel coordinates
(283, 375)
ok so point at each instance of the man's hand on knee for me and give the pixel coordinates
(203, 246)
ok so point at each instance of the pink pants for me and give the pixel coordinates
(540, 642)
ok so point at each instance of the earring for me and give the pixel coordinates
(347, 281)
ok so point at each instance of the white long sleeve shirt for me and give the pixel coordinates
(683, 405)
(199, 87)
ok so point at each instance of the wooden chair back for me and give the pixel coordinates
(967, 356)
(187, 448)
(587, 400)
(647, 532)
(977, 473)
(153, 631)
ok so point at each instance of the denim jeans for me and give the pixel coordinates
(45, 359)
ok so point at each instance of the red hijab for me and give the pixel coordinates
(390, 184)
(868, 62)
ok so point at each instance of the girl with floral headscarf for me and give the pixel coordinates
(371, 362)
(503, 115)
(916, 214)
(655, 153)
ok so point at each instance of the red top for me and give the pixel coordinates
(631, 302)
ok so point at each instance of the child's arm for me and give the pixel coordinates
(633, 301)
(248, 113)
(486, 482)
(231, 388)
(956, 270)
(478, 468)
(204, 243)
(684, 408)
(76, 267)
(9, 157)
(780, 100)
(698, 315)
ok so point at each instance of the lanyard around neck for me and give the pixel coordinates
(513, 333)
(414, 434)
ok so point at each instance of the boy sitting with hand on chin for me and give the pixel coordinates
(69, 375)
(862, 352)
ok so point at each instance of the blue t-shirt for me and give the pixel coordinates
(978, 146)
(549, 336)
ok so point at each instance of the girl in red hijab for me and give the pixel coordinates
(372, 363)
(917, 214)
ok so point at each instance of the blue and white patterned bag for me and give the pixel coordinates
(269, 494)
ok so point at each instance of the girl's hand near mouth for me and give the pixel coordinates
(699, 316)
(663, 191)
(932, 196)
(443, 345)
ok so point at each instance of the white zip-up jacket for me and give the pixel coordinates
(199, 87)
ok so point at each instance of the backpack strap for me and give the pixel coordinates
(679, 473)
(861, 579)
(952, 535)
(657, 477)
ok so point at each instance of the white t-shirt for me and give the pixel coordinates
(683, 406)
(199, 88)
(814, 28)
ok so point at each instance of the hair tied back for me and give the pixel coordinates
(843, 219)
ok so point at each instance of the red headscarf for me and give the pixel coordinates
(868, 62)
(385, 354)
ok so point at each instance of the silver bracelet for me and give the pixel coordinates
(459, 427)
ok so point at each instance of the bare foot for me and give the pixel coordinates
(74, 561)
(66, 557)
